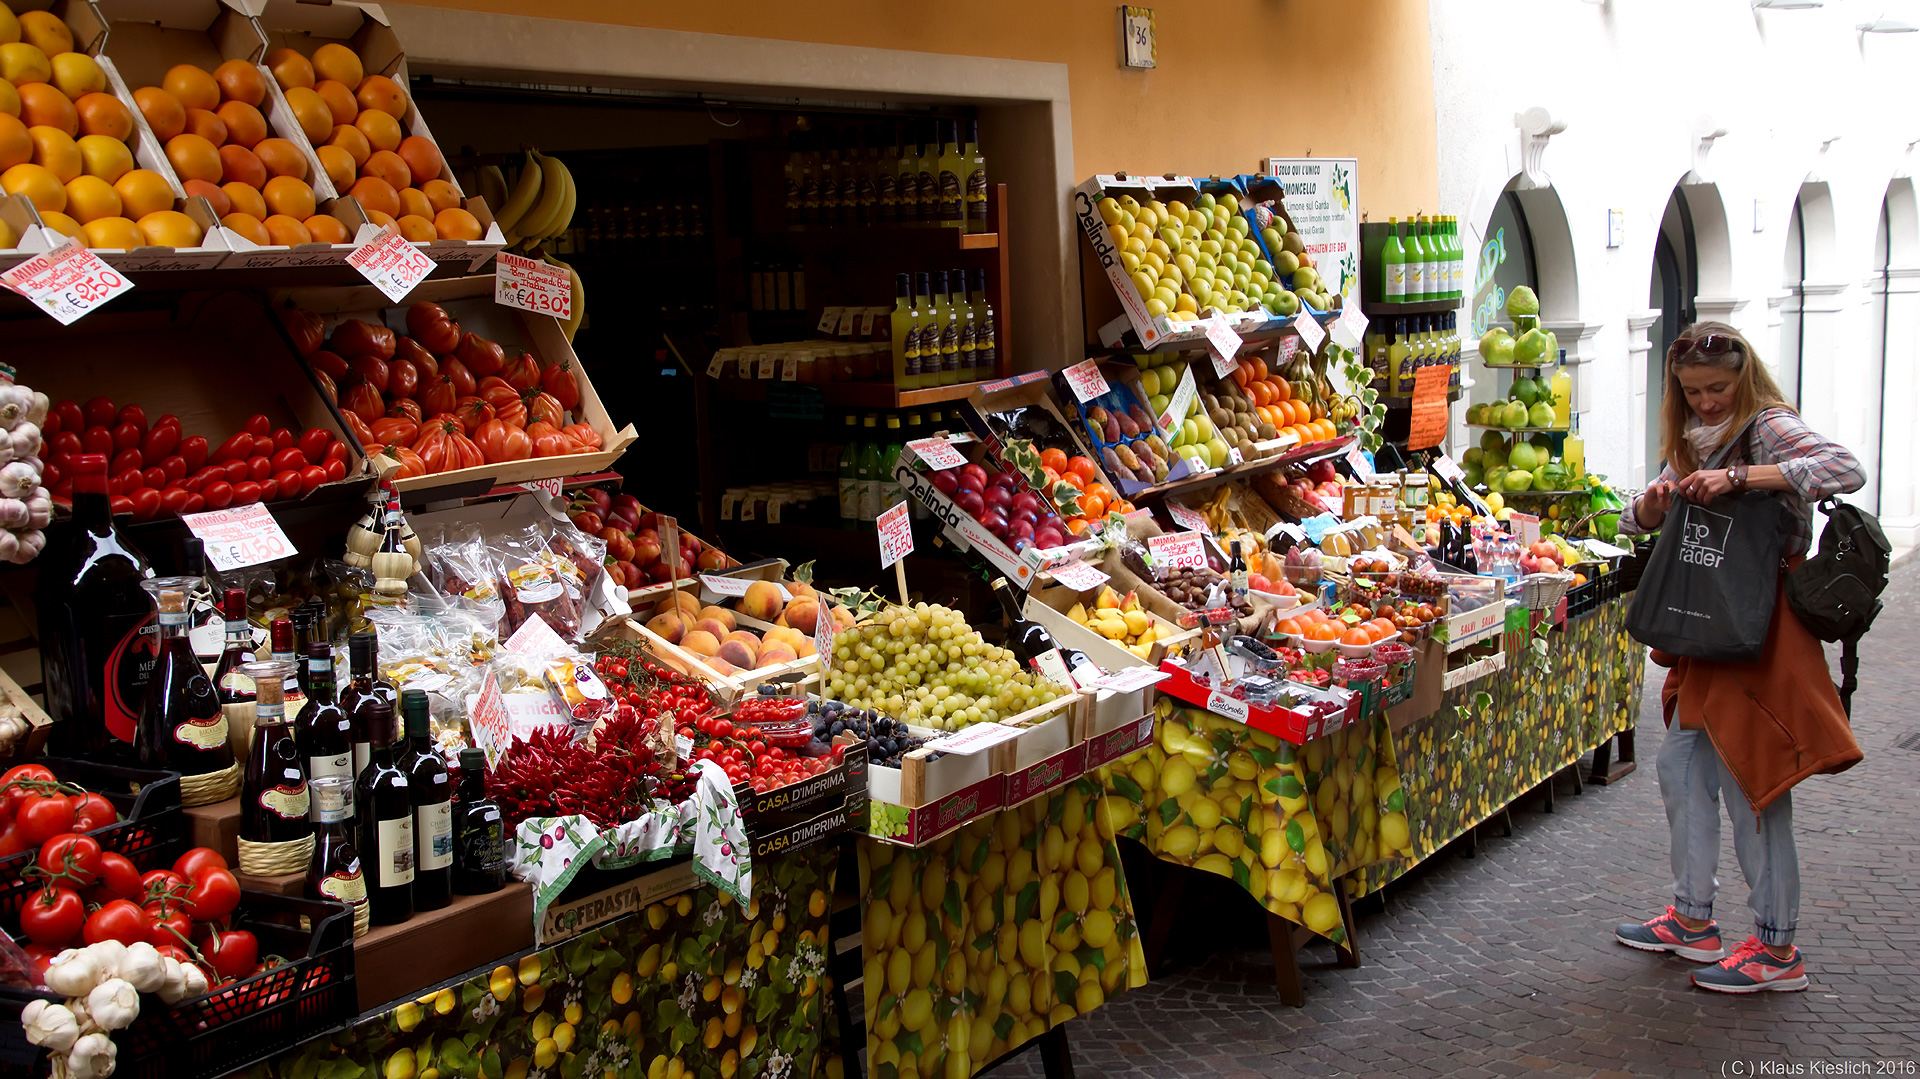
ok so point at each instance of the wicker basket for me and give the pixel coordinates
(1544, 591)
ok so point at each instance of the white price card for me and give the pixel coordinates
(68, 281)
(549, 487)
(532, 285)
(975, 739)
(790, 368)
(767, 360)
(824, 630)
(535, 638)
(1221, 704)
(1086, 381)
(1079, 576)
(1181, 550)
(865, 328)
(391, 263)
(1309, 329)
(1234, 456)
(829, 320)
(1223, 345)
(1362, 468)
(938, 453)
(744, 368)
(1188, 520)
(240, 537)
(487, 718)
(718, 364)
(1526, 526)
(1131, 679)
(849, 318)
(896, 534)
(1350, 329)
(1182, 400)
(1447, 469)
(724, 586)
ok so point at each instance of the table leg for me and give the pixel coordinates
(1607, 770)
(1286, 961)
(1548, 787)
(1349, 952)
(1166, 910)
(1056, 1056)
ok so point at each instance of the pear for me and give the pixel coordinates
(1078, 613)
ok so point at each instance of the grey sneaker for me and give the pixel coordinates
(1664, 933)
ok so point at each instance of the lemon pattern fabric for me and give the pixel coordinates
(992, 935)
(693, 985)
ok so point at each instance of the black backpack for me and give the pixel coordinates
(1836, 593)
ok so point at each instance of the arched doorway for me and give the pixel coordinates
(1687, 283)
(1807, 275)
(1894, 447)
(1525, 241)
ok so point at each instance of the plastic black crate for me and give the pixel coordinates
(151, 834)
(236, 1025)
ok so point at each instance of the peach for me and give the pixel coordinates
(671, 626)
(776, 653)
(788, 635)
(686, 601)
(739, 654)
(751, 639)
(720, 615)
(719, 665)
(713, 627)
(801, 588)
(762, 601)
(701, 643)
(803, 613)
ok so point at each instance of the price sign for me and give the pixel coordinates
(1223, 345)
(896, 534)
(1234, 456)
(1079, 576)
(829, 320)
(240, 537)
(975, 739)
(1086, 381)
(1526, 526)
(1351, 328)
(1428, 427)
(1447, 469)
(1362, 468)
(391, 263)
(1131, 679)
(68, 281)
(724, 586)
(548, 487)
(1187, 519)
(718, 365)
(848, 319)
(487, 716)
(1182, 400)
(1181, 550)
(938, 453)
(536, 638)
(767, 360)
(1233, 708)
(1317, 526)
(866, 321)
(1309, 329)
(532, 285)
(824, 629)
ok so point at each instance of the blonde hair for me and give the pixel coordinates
(1753, 392)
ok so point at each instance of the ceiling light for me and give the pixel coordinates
(1884, 25)
(1789, 5)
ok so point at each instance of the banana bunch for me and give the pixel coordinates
(541, 203)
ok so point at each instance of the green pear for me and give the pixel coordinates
(1522, 301)
(1525, 390)
(1517, 480)
(1522, 458)
(1513, 414)
(1530, 348)
(1540, 415)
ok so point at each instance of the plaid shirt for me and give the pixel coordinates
(1814, 466)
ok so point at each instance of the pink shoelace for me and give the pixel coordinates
(1747, 949)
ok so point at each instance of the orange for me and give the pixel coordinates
(353, 141)
(315, 117)
(1323, 631)
(1281, 387)
(416, 229)
(287, 231)
(339, 100)
(116, 233)
(207, 125)
(22, 63)
(338, 63)
(245, 125)
(242, 82)
(382, 93)
(414, 203)
(376, 194)
(1289, 626)
(64, 225)
(1101, 489)
(1054, 459)
(16, 146)
(44, 31)
(327, 229)
(1083, 467)
(164, 113)
(76, 74)
(289, 68)
(55, 150)
(1356, 635)
(422, 158)
(194, 157)
(1073, 480)
(9, 99)
(90, 198)
(104, 156)
(455, 223)
(103, 114)
(378, 218)
(192, 86)
(246, 200)
(382, 131)
(222, 205)
(281, 157)
(387, 166)
(1093, 505)
(337, 164)
(237, 163)
(143, 191)
(41, 187)
(43, 106)
(171, 228)
(249, 226)
(288, 196)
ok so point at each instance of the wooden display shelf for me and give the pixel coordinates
(868, 236)
(851, 394)
(1307, 454)
(395, 962)
(1522, 430)
(1374, 309)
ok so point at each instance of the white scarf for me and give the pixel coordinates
(1705, 440)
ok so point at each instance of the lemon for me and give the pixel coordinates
(1177, 778)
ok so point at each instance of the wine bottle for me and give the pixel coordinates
(335, 871)
(1030, 640)
(302, 617)
(96, 650)
(323, 729)
(181, 725)
(384, 806)
(280, 644)
(1236, 575)
(364, 685)
(230, 678)
(976, 180)
(479, 831)
(432, 792)
(275, 805)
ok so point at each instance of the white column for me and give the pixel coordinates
(1638, 346)
(1773, 346)
(1823, 309)
(1899, 408)
(1718, 309)
(1576, 340)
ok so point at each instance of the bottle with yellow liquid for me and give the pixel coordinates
(906, 336)
(949, 371)
(986, 347)
(1400, 360)
(926, 317)
(906, 181)
(963, 313)
(953, 179)
(976, 180)
(1561, 386)
(928, 204)
(1573, 452)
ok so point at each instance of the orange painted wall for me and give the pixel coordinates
(1237, 80)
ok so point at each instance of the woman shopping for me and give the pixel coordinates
(1745, 731)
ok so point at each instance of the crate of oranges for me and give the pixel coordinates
(342, 73)
(21, 234)
(72, 143)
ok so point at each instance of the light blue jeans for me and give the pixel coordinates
(1691, 777)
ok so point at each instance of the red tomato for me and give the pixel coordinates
(238, 470)
(361, 398)
(239, 447)
(313, 443)
(436, 331)
(305, 329)
(119, 920)
(213, 896)
(444, 446)
(43, 816)
(194, 449)
(97, 439)
(190, 864)
(120, 504)
(160, 442)
(173, 501)
(584, 434)
(424, 362)
(71, 417)
(312, 476)
(373, 370)
(258, 424)
(160, 885)
(509, 406)
(482, 357)
(465, 382)
(336, 470)
(282, 439)
(146, 504)
(92, 811)
(245, 493)
(522, 371)
(286, 484)
(233, 953)
(174, 468)
(128, 436)
(53, 916)
(259, 467)
(288, 457)
(121, 877)
(125, 461)
(395, 429)
(542, 407)
(17, 783)
(549, 442)
(403, 378)
(500, 442)
(99, 412)
(358, 337)
(155, 477)
(195, 503)
(269, 490)
(219, 494)
(472, 412)
(168, 924)
(263, 446)
(75, 856)
(66, 443)
(331, 364)
(558, 379)
(337, 451)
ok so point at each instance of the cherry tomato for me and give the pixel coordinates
(44, 816)
(120, 504)
(288, 458)
(174, 468)
(190, 864)
(287, 483)
(124, 461)
(74, 855)
(159, 884)
(337, 451)
(313, 476)
(336, 470)
(53, 916)
(173, 501)
(127, 436)
(67, 443)
(239, 447)
(194, 449)
(263, 446)
(233, 953)
(146, 504)
(155, 477)
(269, 490)
(135, 415)
(259, 468)
(125, 483)
(160, 442)
(195, 503)
(18, 792)
(237, 470)
(120, 876)
(313, 444)
(213, 896)
(71, 418)
(119, 920)
(282, 439)
(97, 440)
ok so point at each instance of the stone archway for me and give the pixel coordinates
(1893, 473)
(1690, 279)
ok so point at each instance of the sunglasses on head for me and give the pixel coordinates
(1707, 344)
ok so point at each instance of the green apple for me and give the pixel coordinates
(1157, 404)
(1286, 262)
(1217, 452)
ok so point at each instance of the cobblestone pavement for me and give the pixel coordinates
(1504, 964)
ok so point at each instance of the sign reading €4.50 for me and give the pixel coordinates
(1323, 203)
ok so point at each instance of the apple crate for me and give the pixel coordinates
(960, 526)
(1149, 330)
(1127, 374)
(990, 412)
(31, 237)
(470, 301)
(924, 799)
(1121, 412)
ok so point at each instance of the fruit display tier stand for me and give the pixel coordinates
(1422, 307)
(1521, 430)
(1299, 455)
(1251, 333)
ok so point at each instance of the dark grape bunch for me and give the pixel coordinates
(887, 739)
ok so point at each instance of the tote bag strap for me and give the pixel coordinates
(1726, 450)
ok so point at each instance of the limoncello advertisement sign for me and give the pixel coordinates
(1324, 204)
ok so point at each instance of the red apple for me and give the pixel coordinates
(947, 481)
(998, 497)
(996, 523)
(972, 478)
(1003, 479)
(970, 502)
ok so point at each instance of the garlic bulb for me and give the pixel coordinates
(52, 1025)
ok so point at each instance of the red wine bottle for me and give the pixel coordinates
(275, 804)
(280, 641)
(384, 805)
(335, 872)
(236, 687)
(479, 831)
(182, 726)
(322, 729)
(432, 792)
(96, 642)
(364, 687)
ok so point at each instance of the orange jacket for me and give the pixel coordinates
(1775, 721)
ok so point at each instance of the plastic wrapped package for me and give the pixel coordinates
(548, 572)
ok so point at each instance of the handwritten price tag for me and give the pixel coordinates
(896, 535)
(719, 363)
(487, 717)
(1362, 468)
(1309, 329)
(240, 537)
(532, 285)
(1131, 679)
(974, 739)
(68, 281)
(1527, 527)
(549, 487)
(1447, 469)
(535, 638)
(392, 264)
(1079, 576)
(1223, 345)
(1221, 704)
(724, 586)
(1187, 519)
(1182, 400)
(1086, 381)
(824, 630)
(670, 543)
(1181, 550)
(1351, 328)
(790, 368)
(938, 453)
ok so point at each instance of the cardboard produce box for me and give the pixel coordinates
(30, 237)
